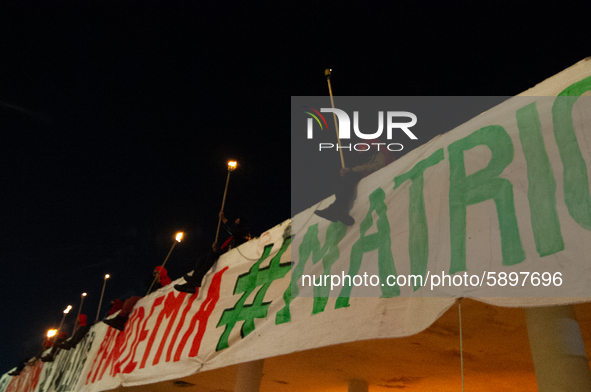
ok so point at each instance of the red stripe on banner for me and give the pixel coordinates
(205, 310)
(172, 306)
(158, 302)
(180, 326)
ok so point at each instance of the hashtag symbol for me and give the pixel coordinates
(246, 284)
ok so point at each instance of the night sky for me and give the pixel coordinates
(117, 121)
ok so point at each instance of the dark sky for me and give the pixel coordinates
(117, 121)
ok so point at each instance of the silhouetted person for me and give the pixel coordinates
(239, 234)
(55, 349)
(82, 330)
(118, 322)
(348, 180)
(19, 368)
(116, 306)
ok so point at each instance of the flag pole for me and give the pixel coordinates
(327, 73)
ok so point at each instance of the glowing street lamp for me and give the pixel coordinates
(107, 276)
(51, 333)
(79, 309)
(177, 238)
(231, 166)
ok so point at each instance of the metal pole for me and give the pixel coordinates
(336, 125)
(223, 202)
(60, 327)
(165, 260)
(101, 300)
(66, 311)
(78, 315)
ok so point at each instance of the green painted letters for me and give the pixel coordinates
(483, 185)
(380, 240)
(576, 181)
(246, 284)
(418, 238)
(541, 191)
(329, 253)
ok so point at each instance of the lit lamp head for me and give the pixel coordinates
(67, 310)
(51, 333)
(327, 73)
(232, 165)
(107, 276)
(179, 236)
(84, 294)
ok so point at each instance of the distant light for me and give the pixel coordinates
(51, 333)
(84, 294)
(232, 165)
(67, 309)
(107, 276)
(179, 236)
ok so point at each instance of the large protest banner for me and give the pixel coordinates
(502, 202)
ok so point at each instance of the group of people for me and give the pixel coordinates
(61, 343)
(375, 157)
(238, 233)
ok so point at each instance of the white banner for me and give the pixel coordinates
(507, 192)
